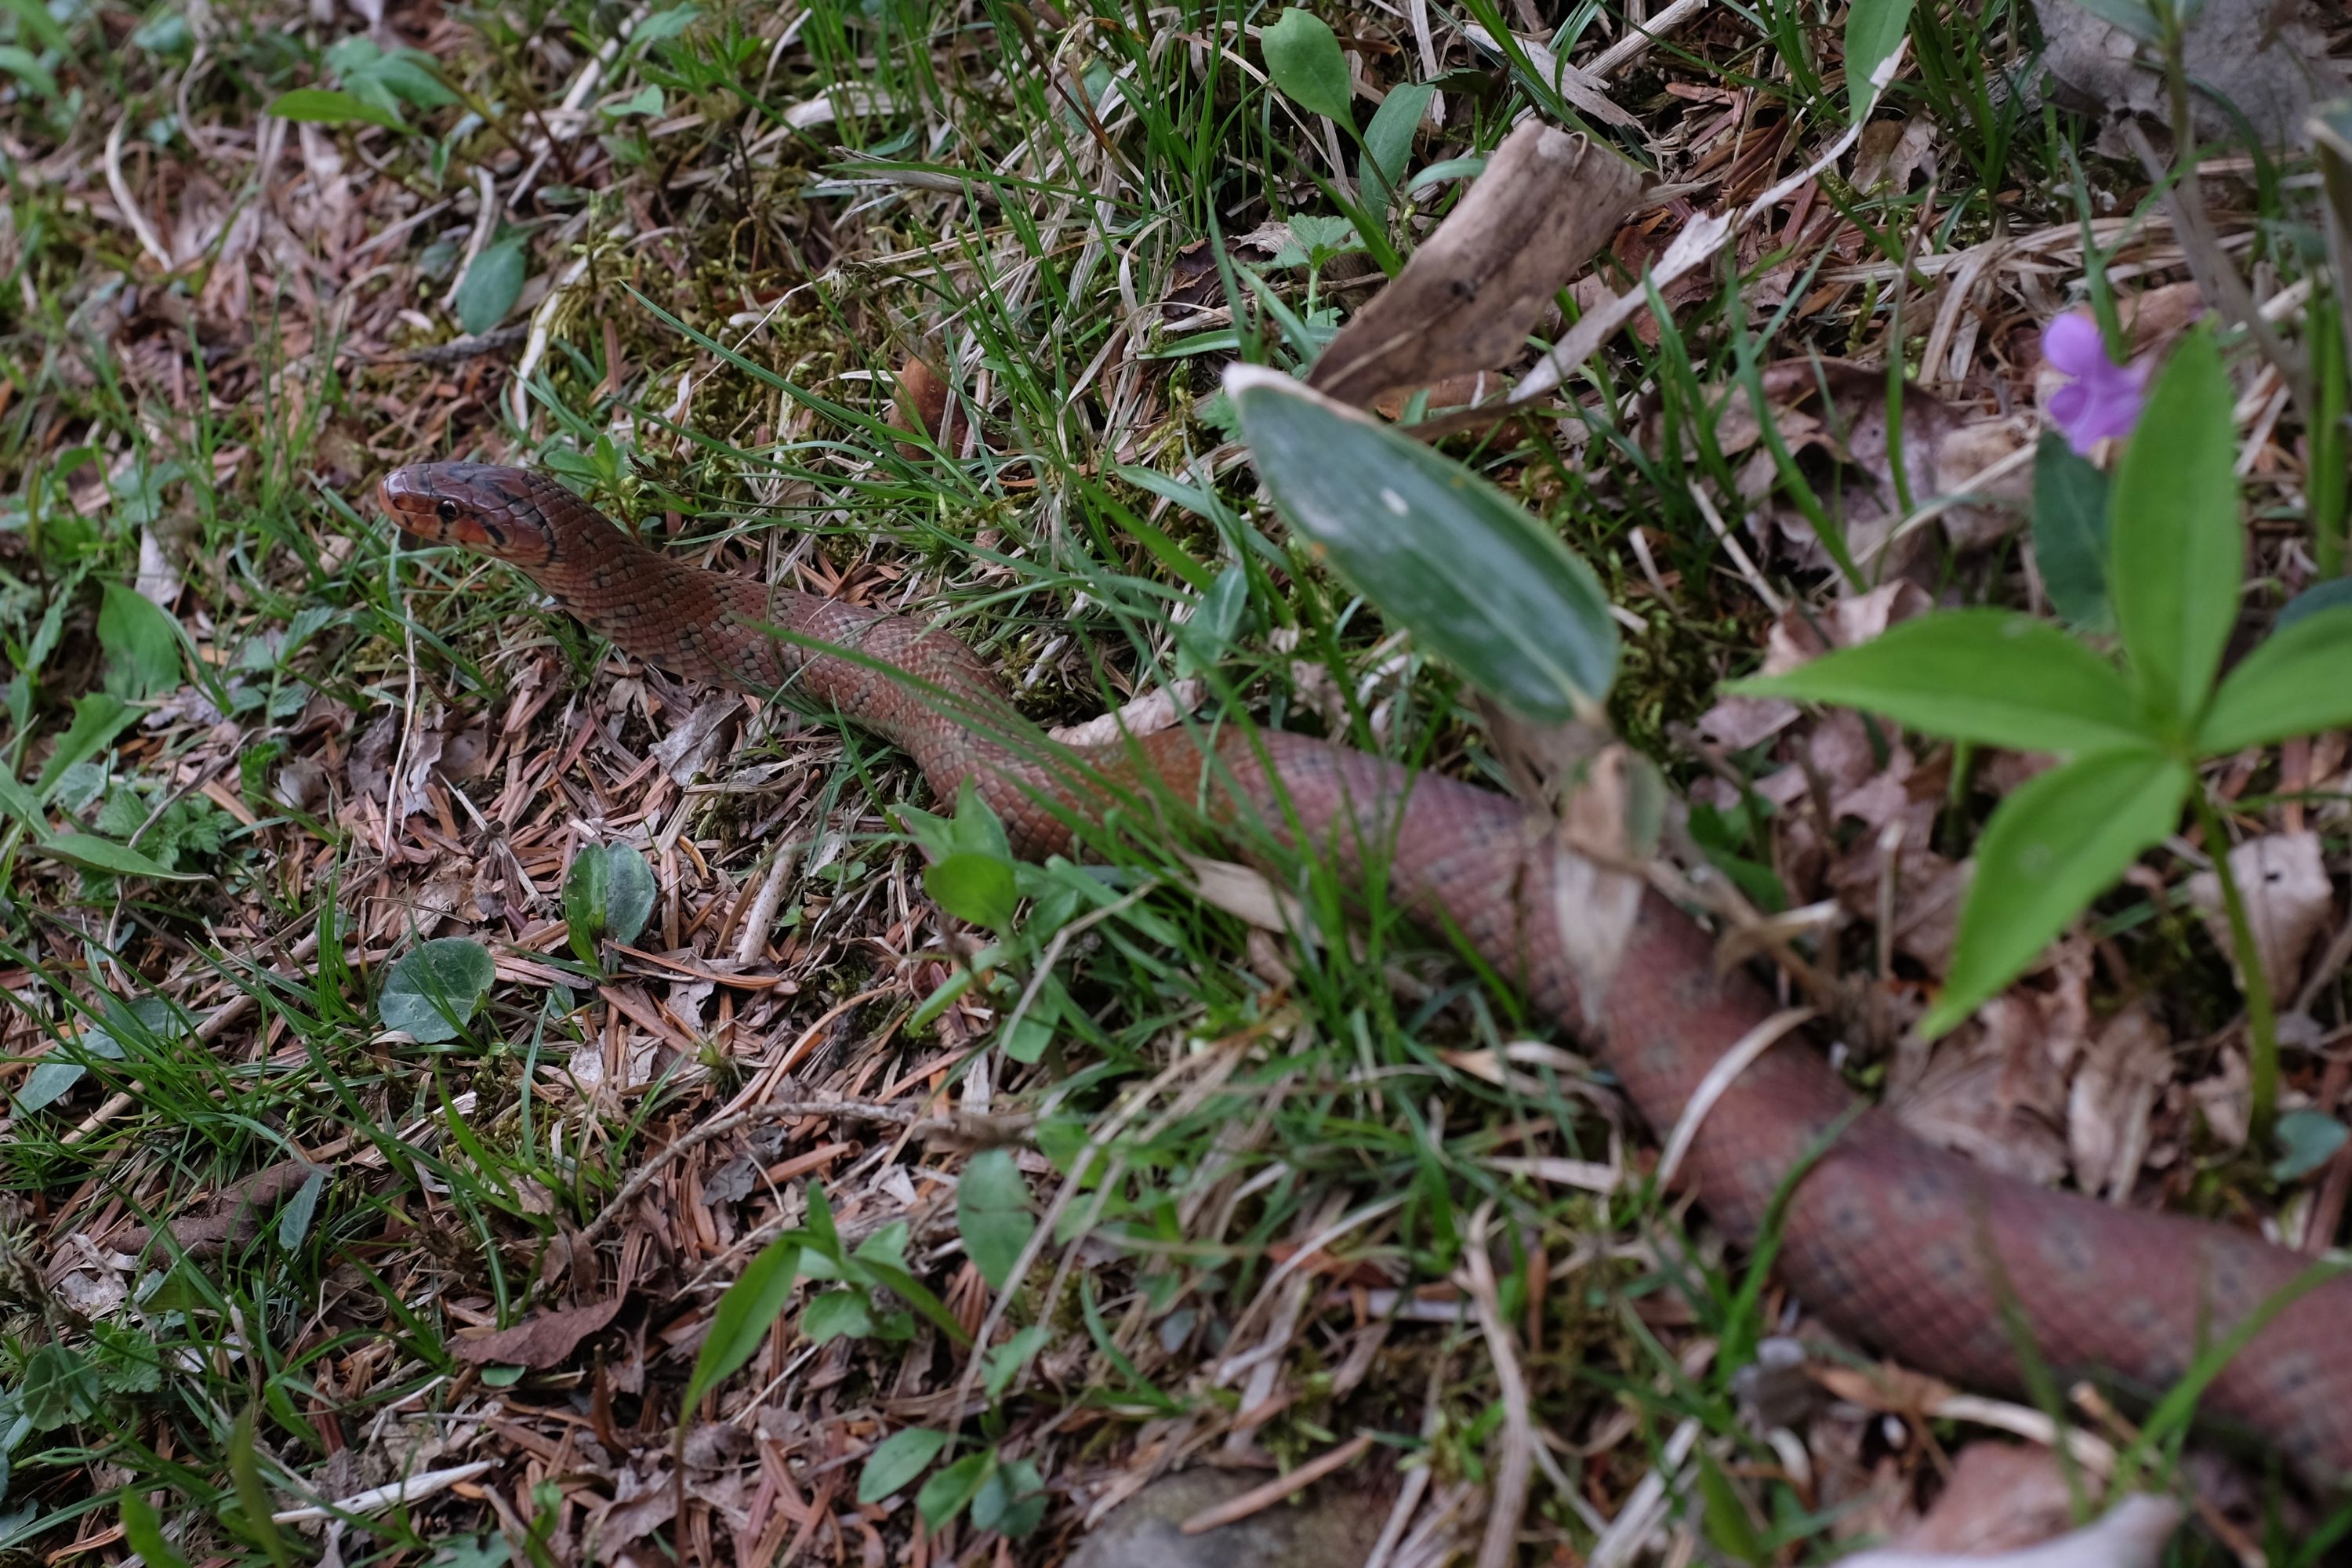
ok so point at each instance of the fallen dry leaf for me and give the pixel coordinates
(1467, 298)
(2266, 58)
(2289, 902)
(232, 1216)
(2114, 1091)
(1830, 417)
(539, 1341)
(1997, 1089)
(2131, 1535)
(2001, 1496)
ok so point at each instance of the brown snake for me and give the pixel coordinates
(1899, 1244)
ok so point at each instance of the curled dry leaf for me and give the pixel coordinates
(2130, 1535)
(231, 1216)
(1609, 828)
(923, 402)
(2289, 902)
(2116, 1088)
(1159, 709)
(542, 1341)
(2001, 1496)
(1996, 1091)
(2266, 59)
(1466, 301)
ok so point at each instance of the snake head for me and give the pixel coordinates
(495, 511)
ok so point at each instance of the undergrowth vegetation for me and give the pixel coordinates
(420, 1015)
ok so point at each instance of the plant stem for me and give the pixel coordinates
(2262, 1023)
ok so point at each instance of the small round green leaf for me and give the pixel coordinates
(945, 1493)
(59, 1385)
(1302, 55)
(435, 988)
(493, 283)
(608, 892)
(897, 1460)
(975, 887)
(2305, 1140)
(1440, 551)
(993, 1212)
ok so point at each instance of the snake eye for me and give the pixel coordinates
(446, 512)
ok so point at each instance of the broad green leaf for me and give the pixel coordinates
(2305, 1140)
(992, 1214)
(1442, 553)
(2298, 682)
(1201, 641)
(1388, 142)
(2070, 532)
(821, 1228)
(59, 1386)
(142, 644)
(34, 18)
(975, 887)
(1988, 676)
(253, 1505)
(91, 853)
(2327, 596)
(1873, 31)
(26, 68)
(2134, 16)
(435, 988)
(646, 100)
(836, 1314)
(665, 24)
(98, 718)
(2178, 550)
(2051, 847)
(323, 106)
(949, 1490)
(743, 1316)
(1004, 1363)
(53, 1078)
(608, 892)
(897, 1460)
(17, 804)
(142, 1531)
(1302, 55)
(493, 283)
(294, 1219)
(1011, 1500)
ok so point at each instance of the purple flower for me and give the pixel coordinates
(2102, 399)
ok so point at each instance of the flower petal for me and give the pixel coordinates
(2072, 343)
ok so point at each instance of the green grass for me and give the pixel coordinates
(1266, 1089)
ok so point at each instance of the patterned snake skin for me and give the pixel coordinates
(1897, 1243)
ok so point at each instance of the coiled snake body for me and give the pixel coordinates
(1902, 1245)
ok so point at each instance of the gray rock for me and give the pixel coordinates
(1334, 1527)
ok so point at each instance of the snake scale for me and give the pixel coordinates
(1899, 1244)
